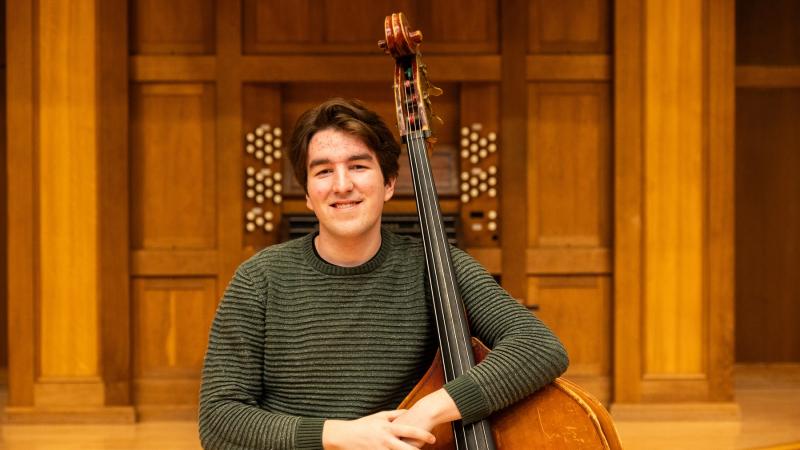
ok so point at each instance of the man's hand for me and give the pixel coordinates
(379, 431)
(431, 410)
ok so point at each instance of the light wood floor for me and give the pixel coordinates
(769, 398)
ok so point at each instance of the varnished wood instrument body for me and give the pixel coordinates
(558, 416)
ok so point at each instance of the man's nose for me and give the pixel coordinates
(342, 182)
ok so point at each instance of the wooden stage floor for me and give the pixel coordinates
(767, 395)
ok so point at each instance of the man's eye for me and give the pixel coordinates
(324, 172)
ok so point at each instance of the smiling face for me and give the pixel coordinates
(345, 186)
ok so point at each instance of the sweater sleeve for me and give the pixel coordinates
(230, 418)
(525, 354)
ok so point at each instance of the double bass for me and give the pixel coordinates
(558, 416)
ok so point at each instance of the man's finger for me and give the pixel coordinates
(412, 433)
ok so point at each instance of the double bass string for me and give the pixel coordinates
(425, 185)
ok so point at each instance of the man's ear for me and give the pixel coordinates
(390, 183)
(308, 203)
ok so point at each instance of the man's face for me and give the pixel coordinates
(345, 185)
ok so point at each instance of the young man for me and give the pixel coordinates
(317, 340)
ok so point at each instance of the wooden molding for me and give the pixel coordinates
(173, 262)
(540, 261)
(768, 76)
(173, 68)
(19, 415)
(568, 67)
(371, 68)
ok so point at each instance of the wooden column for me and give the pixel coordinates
(674, 221)
(69, 306)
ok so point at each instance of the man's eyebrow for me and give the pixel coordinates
(356, 157)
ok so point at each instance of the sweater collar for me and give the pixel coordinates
(314, 260)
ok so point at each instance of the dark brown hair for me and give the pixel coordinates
(349, 116)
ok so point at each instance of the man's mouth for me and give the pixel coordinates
(346, 205)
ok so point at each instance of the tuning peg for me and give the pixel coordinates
(434, 91)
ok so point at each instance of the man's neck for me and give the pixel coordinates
(348, 252)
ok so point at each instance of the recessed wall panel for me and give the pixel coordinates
(569, 175)
(173, 183)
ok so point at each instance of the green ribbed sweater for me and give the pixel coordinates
(297, 340)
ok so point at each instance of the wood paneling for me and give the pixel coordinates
(171, 321)
(767, 220)
(3, 212)
(68, 208)
(347, 26)
(572, 26)
(173, 182)
(674, 193)
(21, 207)
(177, 26)
(768, 76)
(767, 32)
(578, 309)
(569, 185)
(673, 172)
(513, 158)
(326, 68)
(568, 67)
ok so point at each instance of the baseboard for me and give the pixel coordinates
(68, 415)
(710, 411)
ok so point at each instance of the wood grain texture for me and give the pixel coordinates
(578, 310)
(171, 319)
(720, 201)
(113, 217)
(569, 184)
(628, 197)
(572, 26)
(767, 217)
(674, 202)
(767, 33)
(178, 26)
(317, 26)
(768, 76)
(173, 178)
(68, 205)
(568, 67)
(3, 207)
(513, 159)
(674, 188)
(22, 245)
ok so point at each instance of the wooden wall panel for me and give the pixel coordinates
(767, 32)
(569, 162)
(767, 220)
(173, 181)
(176, 26)
(571, 26)
(356, 25)
(569, 222)
(578, 309)
(673, 174)
(171, 319)
(3, 203)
